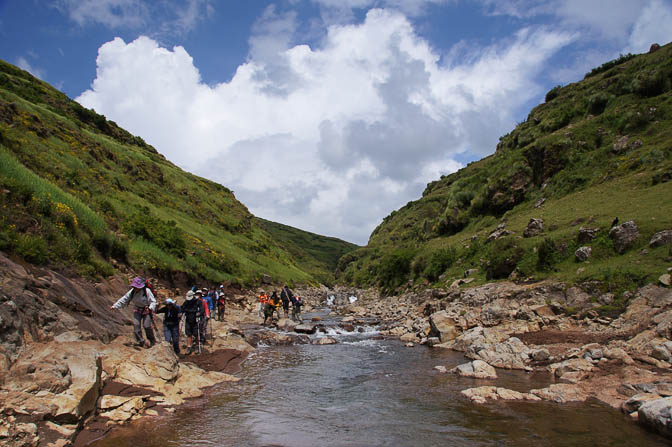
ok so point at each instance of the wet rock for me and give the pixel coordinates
(305, 329)
(477, 369)
(408, 337)
(636, 401)
(586, 235)
(560, 393)
(582, 254)
(661, 238)
(483, 394)
(287, 325)
(534, 227)
(325, 341)
(657, 414)
(443, 326)
(433, 341)
(540, 355)
(571, 370)
(441, 369)
(624, 235)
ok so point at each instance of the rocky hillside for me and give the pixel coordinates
(596, 154)
(80, 195)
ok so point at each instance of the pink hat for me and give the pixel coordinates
(138, 282)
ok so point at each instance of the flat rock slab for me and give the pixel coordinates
(305, 329)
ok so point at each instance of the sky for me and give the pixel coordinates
(325, 115)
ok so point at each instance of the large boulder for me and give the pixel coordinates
(511, 354)
(624, 235)
(657, 414)
(477, 369)
(582, 254)
(560, 393)
(587, 234)
(661, 238)
(482, 394)
(305, 328)
(443, 326)
(59, 381)
(534, 227)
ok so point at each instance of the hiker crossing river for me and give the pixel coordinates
(366, 390)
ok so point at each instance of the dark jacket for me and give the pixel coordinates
(193, 308)
(284, 298)
(172, 312)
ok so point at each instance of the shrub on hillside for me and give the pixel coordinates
(650, 84)
(597, 103)
(553, 93)
(502, 259)
(393, 268)
(438, 262)
(547, 255)
(163, 234)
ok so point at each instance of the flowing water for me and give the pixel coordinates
(366, 391)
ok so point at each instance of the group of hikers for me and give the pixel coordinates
(270, 305)
(199, 307)
(197, 310)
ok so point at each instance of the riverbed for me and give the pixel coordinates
(370, 391)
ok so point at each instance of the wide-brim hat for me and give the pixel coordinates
(170, 301)
(138, 282)
(190, 295)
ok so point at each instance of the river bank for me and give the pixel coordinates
(69, 378)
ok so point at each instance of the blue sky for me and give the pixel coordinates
(322, 114)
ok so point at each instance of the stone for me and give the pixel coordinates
(477, 369)
(497, 234)
(540, 355)
(582, 254)
(305, 328)
(442, 369)
(665, 279)
(482, 394)
(579, 365)
(624, 235)
(576, 297)
(408, 337)
(534, 227)
(621, 145)
(287, 325)
(560, 393)
(433, 341)
(606, 298)
(586, 235)
(657, 414)
(325, 341)
(661, 238)
(409, 345)
(635, 402)
(443, 326)
(661, 353)
(539, 202)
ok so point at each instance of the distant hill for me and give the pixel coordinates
(595, 150)
(80, 194)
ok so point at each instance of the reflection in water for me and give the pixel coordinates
(374, 393)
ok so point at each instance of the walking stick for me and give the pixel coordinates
(198, 335)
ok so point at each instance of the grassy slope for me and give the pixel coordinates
(81, 193)
(564, 153)
(315, 253)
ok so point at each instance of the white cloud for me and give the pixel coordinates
(23, 64)
(166, 16)
(328, 139)
(654, 25)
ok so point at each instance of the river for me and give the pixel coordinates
(367, 391)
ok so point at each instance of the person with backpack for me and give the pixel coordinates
(193, 313)
(285, 302)
(207, 314)
(263, 300)
(276, 303)
(296, 309)
(221, 303)
(144, 304)
(171, 323)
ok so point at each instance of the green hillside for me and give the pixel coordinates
(316, 254)
(595, 150)
(80, 194)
